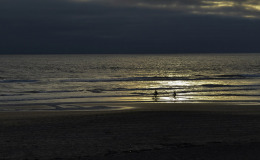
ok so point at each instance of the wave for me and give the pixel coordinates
(231, 76)
(229, 86)
(17, 81)
(215, 85)
(95, 90)
(126, 79)
(55, 91)
(226, 95)
(155, 78)
(181, 89)
(251, 75)
(9, 95)
(67, 97)
(217, 77)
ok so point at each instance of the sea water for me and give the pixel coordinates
(196, 78)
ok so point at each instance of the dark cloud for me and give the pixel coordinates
(124, 26)
(240, 8)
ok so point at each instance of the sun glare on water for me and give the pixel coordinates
(167, 89)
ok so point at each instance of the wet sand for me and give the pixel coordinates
(143, 131)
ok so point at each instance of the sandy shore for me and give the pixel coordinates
(139, 131)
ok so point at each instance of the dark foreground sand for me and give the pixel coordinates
(149, 131)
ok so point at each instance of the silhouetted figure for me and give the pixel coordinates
(174, 94)
(155, 93)
(155, 98)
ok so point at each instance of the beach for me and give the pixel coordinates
(134, 131)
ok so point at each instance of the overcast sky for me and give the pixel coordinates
(129, 26)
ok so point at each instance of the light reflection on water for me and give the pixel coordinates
(190, 91)
(128, 78)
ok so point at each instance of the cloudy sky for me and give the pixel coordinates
(129, 26)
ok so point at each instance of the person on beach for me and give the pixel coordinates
(155, 93)
(155, 98)
(174, 94)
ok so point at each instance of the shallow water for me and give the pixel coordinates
(26, 79)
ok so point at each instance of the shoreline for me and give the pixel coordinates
(146, 131)
(132, 106)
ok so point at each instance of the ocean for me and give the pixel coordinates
(196, 78)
